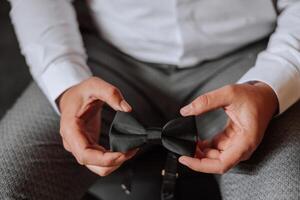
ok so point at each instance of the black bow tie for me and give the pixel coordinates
(178, 135)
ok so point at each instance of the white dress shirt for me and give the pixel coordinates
(179, 32)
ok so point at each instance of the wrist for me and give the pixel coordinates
(269, 96)
(60, 100)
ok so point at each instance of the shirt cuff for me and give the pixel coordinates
(284, 79)
(60, 76)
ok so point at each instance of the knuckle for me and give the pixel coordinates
(104, 172)
(113, 91)
(248, 152)
(92, 82)
(223, 169)
(65, 130)
(197, 168)
(251, 146)
(108, 162)
(80, 159)
(204, 100)
(246, 157)
(62, 130)
(66, 146)
(194, 105)
(230, 89)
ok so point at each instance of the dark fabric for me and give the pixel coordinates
(178, 135)
(170, 175)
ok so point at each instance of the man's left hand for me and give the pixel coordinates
(250, 107)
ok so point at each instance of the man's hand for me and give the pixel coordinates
(80, 108)
(249, 108)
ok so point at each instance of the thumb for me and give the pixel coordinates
(221, 97)
(109, 94)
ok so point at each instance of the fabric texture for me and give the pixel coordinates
(273, 171)
(178, 135)
(34, 165)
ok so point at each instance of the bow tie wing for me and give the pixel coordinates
(126, 133)
(180, 136)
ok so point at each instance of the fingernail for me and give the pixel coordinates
(182, 160)
(185, 110)
(125, 106)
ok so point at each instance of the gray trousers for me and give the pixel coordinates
(34, 165)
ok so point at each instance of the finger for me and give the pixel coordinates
(131, 153)
(85, 152)
(219, 163)
(66, 145)
(91, 156)
(102, 171)
(90, 109)
(204, 144)
(221, 141)
(112, 157)
(212, 100)
(201, 146)
(109, 94)
(205, 165)
(126, 156)
(199, 154)
(211, 153)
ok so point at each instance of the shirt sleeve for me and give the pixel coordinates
(50, 40)
(279, 65)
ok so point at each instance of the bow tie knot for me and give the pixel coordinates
(154, 135)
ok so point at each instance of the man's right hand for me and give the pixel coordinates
(80, 123)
